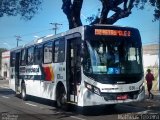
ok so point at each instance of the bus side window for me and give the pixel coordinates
(47, 52)
(38, 54)
(59, 50)
(23, 57)
(13, 58)
(30, 57)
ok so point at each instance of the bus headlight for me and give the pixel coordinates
(92, 88)
(96, 90)
(87, 85)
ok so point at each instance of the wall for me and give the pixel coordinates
(5, 64)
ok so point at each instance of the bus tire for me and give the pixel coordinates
(23, 92)
(61, 98)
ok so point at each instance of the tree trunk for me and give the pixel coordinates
(72, 9)
(109, 5)
(73, 12)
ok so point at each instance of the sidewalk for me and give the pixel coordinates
(4, 83)
(149, 104)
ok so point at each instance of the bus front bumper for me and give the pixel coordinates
(90, 99)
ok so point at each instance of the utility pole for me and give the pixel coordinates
(18, 38)
(55, 27)
(159, 57)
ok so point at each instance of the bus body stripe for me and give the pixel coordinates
(52, 74)
(48, 72)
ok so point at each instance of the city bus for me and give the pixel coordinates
(90, 65)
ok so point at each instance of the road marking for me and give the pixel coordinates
(31, 104)
(5, 97)
(77, 118)
(4, 87)
(144, 112)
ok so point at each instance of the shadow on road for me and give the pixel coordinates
(108, 110)
(87, 111)
(4, 91)
(98, 110)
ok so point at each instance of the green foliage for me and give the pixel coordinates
(72, 8)
(122, 9)
(141, 4)
(25, 8)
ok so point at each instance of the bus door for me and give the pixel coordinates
(17, 60)
(73, 66)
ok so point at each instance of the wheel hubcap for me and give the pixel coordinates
(23, 93)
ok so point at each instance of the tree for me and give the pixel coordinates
(121, 9)
(25, 8)
(72, 9)
(73, 12)
(154, 3)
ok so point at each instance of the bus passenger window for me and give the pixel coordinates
(30, 57)
(23, 57)
(59, 51)
(38, 54)
(13, 59)
(47, 52)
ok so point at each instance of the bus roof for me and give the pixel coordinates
(49, 37)
(71, 31)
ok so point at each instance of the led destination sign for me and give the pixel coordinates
(123, 33)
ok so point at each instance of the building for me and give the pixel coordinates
(5, 64)
(151, 61)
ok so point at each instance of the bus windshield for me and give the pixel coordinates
(112, 57)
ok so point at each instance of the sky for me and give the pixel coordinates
(51, 12)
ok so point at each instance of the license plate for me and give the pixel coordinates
(122, 97)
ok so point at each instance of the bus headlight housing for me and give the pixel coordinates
(92, 88)
(141, 87)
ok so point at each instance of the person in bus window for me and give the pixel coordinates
(149, 78)
(110, 56)
(116, 55)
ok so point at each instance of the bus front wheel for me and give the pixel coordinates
(61, 97)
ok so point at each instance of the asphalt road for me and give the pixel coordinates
(13, 108)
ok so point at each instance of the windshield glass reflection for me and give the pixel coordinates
(119, 57)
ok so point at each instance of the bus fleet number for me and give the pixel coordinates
(132, 88)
